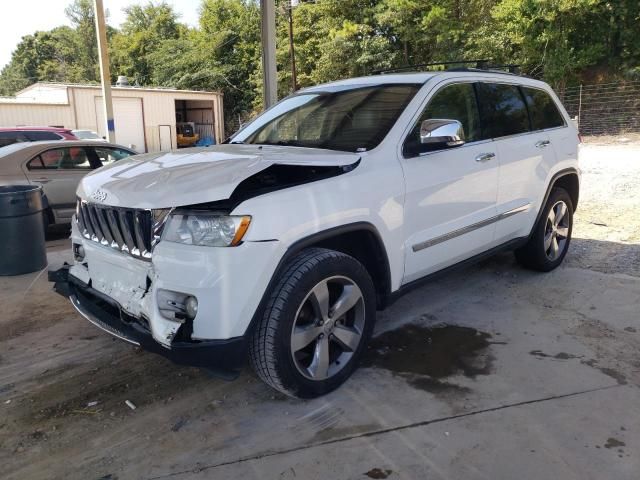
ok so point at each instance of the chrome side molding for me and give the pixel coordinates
(469, 228)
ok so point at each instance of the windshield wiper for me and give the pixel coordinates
(282, 143)
(237, 142)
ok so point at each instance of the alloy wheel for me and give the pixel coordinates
(328, 328)
(556, 231)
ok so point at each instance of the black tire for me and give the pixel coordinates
(533, 254)
(270, 349)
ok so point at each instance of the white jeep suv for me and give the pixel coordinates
(283, 243)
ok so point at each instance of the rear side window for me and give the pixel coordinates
(542, 109)
(503, 110)
(35, 136)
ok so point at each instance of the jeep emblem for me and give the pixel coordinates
(99, 195)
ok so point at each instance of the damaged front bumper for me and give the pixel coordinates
(218, 355)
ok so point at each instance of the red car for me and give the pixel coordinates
(9, 135)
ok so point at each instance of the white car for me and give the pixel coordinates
(283, 243)
(88, 135)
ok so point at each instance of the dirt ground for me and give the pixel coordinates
(491, 372)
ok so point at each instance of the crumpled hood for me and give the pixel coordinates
(195, 175)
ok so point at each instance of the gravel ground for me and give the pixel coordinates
(491, 372)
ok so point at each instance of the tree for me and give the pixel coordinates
(82, 17)
(142, 33)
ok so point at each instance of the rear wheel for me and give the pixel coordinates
(316, 324)
(550, 240)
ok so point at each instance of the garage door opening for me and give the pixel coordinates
(195, 123)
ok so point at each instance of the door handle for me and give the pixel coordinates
(42, 180)
(543, 144)
(485, 157)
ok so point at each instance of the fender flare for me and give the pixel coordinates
(312, 239)
(562, 173)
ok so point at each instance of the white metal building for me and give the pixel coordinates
(145, 118)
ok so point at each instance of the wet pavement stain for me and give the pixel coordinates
(614, 443)
(378, 473)
(557, 356)
(425, 356)
(617, 376)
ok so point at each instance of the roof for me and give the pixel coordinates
(113, 87)
(412, 77)
(38, 129)
(420, 78)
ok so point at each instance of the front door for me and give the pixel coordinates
(450, 202)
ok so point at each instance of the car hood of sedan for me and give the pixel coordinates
(195, 175)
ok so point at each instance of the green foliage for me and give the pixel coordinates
(144, 31)
(561, 41)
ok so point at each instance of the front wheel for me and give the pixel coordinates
(551, 236)
(315, 325)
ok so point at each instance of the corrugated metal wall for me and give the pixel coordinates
(159, 109)
(19, 114)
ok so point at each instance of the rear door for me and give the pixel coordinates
(451, 193)
(59, 170)
(524, 157)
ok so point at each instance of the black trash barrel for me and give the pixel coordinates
(22, 247)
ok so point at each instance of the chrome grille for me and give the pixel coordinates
(132, 231)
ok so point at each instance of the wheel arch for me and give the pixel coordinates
(345, 239)
(568, 179)
(360, 240)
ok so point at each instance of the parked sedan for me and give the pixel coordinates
(58, 167)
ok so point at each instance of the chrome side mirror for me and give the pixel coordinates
(441, 133)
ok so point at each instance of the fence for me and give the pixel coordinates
(604, 109)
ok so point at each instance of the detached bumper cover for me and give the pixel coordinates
(107, 315)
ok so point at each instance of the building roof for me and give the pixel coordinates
(54, 85)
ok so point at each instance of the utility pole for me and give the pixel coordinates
(292, 53)
(105, 73)
(268, 30)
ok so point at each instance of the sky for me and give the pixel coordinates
(27, 16)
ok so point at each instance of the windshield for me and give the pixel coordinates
(350, 120)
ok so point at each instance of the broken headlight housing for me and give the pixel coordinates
(208, 229)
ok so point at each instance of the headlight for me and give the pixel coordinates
(206, 229)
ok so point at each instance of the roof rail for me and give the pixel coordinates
(479, 64)
(483, 65)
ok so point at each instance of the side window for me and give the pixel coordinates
(453, 102)
(108, 155)
(71, 158)
(35, 163)
(7, 138)
(503, 110)
(542, 109)
(35, 136)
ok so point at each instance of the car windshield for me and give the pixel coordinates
(355, 119)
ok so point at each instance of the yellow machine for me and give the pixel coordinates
(186, 133)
